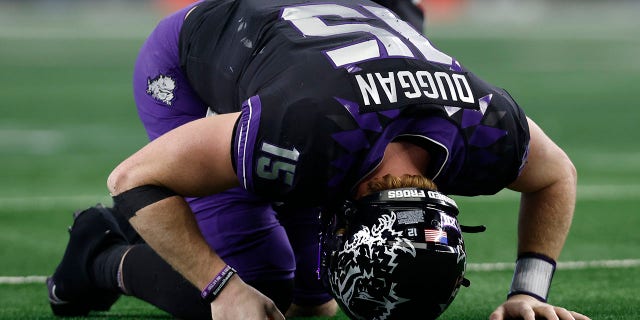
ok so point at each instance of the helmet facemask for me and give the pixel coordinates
(395, 254)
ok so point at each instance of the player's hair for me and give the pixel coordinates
(405, 181)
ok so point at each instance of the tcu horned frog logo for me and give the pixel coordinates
(162, 88)
(366, 265)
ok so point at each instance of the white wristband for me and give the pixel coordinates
(532, 276)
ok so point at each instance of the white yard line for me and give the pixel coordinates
(563, 265)
(479, 267)
(23, 280)
(28, 202)
(585, 192)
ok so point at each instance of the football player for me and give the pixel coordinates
(309, 297)
(336, 105)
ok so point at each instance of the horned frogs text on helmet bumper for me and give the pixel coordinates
(395, 254)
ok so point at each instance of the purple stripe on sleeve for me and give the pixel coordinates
(246, 135)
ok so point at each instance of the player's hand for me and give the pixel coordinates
(528, 308)
(239, 300)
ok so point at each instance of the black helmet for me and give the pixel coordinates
(395, 254)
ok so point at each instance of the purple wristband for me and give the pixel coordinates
(212, 290)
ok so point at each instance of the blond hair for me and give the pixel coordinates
(405, 181)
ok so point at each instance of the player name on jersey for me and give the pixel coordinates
(386, 90)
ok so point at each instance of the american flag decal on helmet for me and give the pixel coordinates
(434, 235)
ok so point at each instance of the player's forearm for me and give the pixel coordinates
(170, 229)
(546, 215)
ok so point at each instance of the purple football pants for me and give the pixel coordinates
(243, 229)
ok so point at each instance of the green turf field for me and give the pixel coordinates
(68, 118)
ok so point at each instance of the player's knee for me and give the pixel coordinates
(280, 291)
(326, 309)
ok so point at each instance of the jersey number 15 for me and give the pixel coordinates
(392, 40)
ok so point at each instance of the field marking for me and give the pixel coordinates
(563, 265)
(23, 280)
(76, 34)
(466, 32)
(585, 192)
(479, 267)
(29, 202)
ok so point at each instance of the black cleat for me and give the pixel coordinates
(70, 288)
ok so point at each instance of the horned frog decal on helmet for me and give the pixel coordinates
(366, 283)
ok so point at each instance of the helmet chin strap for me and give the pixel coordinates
(473, 229)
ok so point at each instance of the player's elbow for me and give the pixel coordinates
(568, 170)
(573, 173)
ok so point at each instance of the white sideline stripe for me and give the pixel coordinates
(565, 265)
(480, 267)
(585, 192)
(490, 34)
(42, 201)
(43, 34)
(23, 280)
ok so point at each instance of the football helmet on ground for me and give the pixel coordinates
(395, 254)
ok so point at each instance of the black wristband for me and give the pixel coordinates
(129, 202)
(213, 289)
